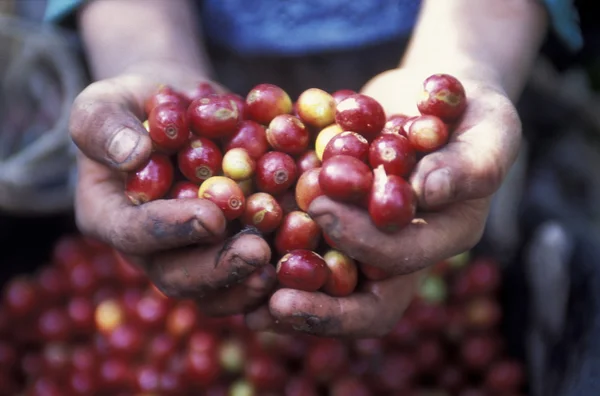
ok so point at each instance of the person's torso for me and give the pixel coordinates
(296, 27)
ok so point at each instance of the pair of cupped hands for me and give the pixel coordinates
(173, 241)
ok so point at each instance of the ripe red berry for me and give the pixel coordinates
(427, 133)
(182, 319)
(505, 377)
(308, 160)
(342, 94)
(308, 188)
(199, 160)
(81, 314)
(184, 190)
(52, 284)
(275, 172)
(55, 325)
(151, 312)
(347, 143)
(250, 136)
(288, 134)
(201, 90)
(20, 297)
(316, 108)
(394, 152)
(392, 203)
(164, 94)
(226, 194)
(214, 116)
(263, 212)
(395, 124)
(443, 96)
(151, 182)
(202, 368)
(239, 101)
(302, 270)
(343, 276)
(297, 231)
(266, 101)
(362, 114)
(168, 126)
(346, 179)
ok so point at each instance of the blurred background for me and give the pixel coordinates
(542, 234)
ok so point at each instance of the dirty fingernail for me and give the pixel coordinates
(438, 187)
(123, 144)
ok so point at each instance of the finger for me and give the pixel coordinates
(199, 272)
(368, 313)
(241, 298)
(477, 158)
(106, 122)
(430, 238)
(104, 212)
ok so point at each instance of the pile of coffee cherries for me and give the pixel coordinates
(263, 159)
(89, 323)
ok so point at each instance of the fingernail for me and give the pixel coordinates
(123, 144)
(438, 187)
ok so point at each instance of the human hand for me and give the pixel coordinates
(172, 240)
(454, 188)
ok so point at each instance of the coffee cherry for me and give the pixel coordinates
(302, 270)
(308, 188)
(308, 160)
(199, 160)
(392, 203)
(362, 114)
(394, 124)
(164, 94)
(266, 101)
(275, 172)
(316, 107)
(239, 101)
(343, 275)
(324, 137)
(214, 116)
(153, 181)
(184, 190)
(263, 212)
(201, 90)
(394, 152)
(250, 136)
(288, 134)
(345, 179)
(168, 127)
(342, 94)
(20, 297)
(427, 133)
(443, 96)
(347, 143)
(226, 194)
(297, 231)
(238, 165)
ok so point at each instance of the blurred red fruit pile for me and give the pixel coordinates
(89, 323)
(263, 159)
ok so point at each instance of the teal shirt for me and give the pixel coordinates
(304, 26)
